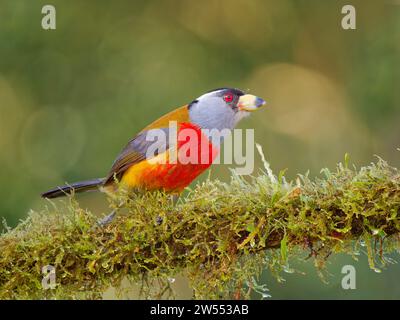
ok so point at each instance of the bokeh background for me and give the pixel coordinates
(71, 98)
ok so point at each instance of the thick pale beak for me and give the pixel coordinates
(248, 102)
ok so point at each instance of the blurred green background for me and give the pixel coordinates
(71, 98)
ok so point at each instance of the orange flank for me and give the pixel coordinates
(174, 176)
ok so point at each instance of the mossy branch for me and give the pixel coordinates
(221, 236)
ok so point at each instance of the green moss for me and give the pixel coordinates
(220, 235)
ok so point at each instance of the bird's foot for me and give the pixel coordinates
(175, 198)
(107, 219)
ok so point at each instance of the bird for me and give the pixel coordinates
(134, 168)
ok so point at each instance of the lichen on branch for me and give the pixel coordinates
(220, 235)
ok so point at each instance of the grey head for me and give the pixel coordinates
(222, 108)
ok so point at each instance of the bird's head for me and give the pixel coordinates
(223, 108)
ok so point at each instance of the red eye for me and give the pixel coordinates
(228, 97)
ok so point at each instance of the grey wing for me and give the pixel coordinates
(137, 150)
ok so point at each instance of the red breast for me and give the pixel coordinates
(195, 154)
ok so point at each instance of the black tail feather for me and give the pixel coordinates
(82, 186)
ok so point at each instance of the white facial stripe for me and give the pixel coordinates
(241, 115)
(208, 95)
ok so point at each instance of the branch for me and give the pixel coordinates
(218, 235)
